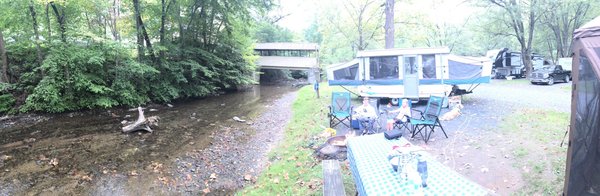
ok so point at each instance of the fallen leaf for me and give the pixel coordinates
(42, 157)
(286, 176)
(86, 178)
(54, 162)
(247, 177)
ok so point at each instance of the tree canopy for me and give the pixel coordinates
(77, 54)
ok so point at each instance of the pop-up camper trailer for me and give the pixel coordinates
(414, 73)
(582, 176)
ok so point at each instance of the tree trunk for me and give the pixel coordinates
(61, 22)
(112, 22)
(148, 43)
(163, 18)
(138, 26)
(142, 33)
(36, 32)
(389, 23)
(48, 23)
(4, 76)
(532, 20)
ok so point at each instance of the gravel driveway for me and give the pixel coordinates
(522, 94)
(477, 147)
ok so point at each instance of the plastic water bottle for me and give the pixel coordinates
(422, 169)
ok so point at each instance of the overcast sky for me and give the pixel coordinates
(302, 13)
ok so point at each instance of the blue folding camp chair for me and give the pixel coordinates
(340, 109)
(429, 119)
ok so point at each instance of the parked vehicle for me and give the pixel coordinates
(508, 63)
(549, 75)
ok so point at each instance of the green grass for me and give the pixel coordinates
(538, 154)
(293, 169)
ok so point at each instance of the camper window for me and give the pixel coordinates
(429, 66)
(348, 73)
(410, 65)
(383, 67)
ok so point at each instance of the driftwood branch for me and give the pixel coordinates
(142, 123)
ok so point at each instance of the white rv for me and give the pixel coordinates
(414, 73)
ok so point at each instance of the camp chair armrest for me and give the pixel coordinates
(419, 111)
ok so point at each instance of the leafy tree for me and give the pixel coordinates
(312, 33)
(560, 20)
(270, 32)
(521, 18)
(348, 27)
(69, 55)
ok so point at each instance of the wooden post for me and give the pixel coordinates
(333, 183)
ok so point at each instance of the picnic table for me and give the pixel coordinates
(374, 175)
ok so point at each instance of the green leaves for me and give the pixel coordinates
(200, 53)
(6, 102)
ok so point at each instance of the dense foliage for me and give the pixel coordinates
(71, 55)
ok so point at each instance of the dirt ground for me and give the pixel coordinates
(482, 151)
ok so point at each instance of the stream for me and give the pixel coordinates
(85, 152)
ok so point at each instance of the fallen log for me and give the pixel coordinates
(142, 123)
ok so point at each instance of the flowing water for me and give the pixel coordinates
(74, 153)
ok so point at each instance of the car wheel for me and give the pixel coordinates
(567, 79)
(551, 80)
(533, 82)
(395, 101)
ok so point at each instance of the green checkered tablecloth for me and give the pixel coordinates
(374, 175)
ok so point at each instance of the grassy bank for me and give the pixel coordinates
(293, 168)
(538, 153)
